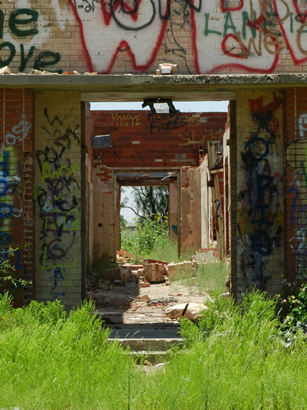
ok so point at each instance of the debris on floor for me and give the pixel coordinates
(190, 311)
(142, 293)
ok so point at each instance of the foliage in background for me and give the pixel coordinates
(293, 308)
(234, 358)
(148, 234)
(7, 269)
(148, 201)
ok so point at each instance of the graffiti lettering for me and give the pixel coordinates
(162, 122)
(17, 134)
(23, 24)
(58, 198)
(126, 120)
(260, 199)
(250, 35)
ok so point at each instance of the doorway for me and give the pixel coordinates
(130, 148)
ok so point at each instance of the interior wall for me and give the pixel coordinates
(173, 211)
(58, 233)
(190, 224)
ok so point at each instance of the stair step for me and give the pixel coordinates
(148, 344)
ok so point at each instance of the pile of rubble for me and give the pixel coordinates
(151, 270)
(145, 292)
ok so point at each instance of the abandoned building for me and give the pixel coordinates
(237, 178)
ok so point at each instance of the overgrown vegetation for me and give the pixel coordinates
(235, 358)
(150, 240)
(8, 279)
(209, 278)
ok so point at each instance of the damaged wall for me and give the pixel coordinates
(238, 35)
(142, 140)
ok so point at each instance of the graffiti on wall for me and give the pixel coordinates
(16, 41)
(126, 120)
(58, 199)
(11, 191)
(237, 34)
(260, 220)
(297, 196)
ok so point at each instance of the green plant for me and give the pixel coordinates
(292, 304)
(236, 359)
(148, 233)
(8, 278)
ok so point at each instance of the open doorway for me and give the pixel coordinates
(181, 150)
(148, 219)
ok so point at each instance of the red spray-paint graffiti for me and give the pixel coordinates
(238, 35)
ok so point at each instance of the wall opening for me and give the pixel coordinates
(128, 147)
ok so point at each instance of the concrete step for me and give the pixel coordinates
(153, 357)
(148, 344)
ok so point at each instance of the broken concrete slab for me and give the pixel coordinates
(190, 311)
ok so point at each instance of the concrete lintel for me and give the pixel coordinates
(127, 82)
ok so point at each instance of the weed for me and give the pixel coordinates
(234, 358)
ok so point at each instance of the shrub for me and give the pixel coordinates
(149, 232)
(293, 308)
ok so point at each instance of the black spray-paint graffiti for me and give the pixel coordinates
(165, 122)
(172, 44)
(259, 225)
(18, 23)
(58, 198)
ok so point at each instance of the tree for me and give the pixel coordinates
(148, 200)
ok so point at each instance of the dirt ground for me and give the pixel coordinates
(134, 304)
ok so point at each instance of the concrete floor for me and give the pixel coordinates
(134, 309)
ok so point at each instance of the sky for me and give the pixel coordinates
(183, 106)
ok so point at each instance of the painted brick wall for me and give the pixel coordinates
(58, 196)
(296, 184)
(213, 36)
(142, 139)
(259, 190)
(16, 183)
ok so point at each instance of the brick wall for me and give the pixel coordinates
(58, 196)
(216, 36)
(296, 184)
(259, 190)
(142, 139)
(16, 183)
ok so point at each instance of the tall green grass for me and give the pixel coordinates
(54, 361)
(234, 358)
(208, 277)
(150, 240)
